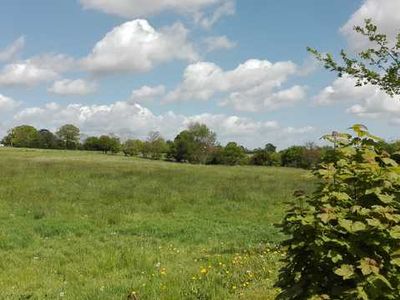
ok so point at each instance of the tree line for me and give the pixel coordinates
(196, 145)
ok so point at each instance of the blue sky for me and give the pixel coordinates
(129, 67)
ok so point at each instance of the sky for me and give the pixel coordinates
(129, 67)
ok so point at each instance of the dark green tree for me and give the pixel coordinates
(109, 144)
(24, 136)
(132, 147)
(204, 141)
(92, 143)
(155, 146)
(233, 154)
(69, 134)
(47, 140)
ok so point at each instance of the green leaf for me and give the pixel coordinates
(361, 293)
(346, 271)
(352, 227)
(395, 232)
(368, 266)
(395, 261)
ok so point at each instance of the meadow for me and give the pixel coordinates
(83, 225)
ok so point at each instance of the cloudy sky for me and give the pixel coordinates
(129, 67)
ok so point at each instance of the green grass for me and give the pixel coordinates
(77, 225)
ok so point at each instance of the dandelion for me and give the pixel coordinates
(203, 271)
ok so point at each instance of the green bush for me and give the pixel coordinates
(345, 238)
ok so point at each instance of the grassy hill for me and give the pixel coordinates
(77, 225)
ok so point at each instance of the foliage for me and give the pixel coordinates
(266, 157)
(92, 143)
(155, 146)
(204, 141)
(47, 140)
(195, 145)
(132, 147)
(21, 136)
(109, 144)
(345, 239)
(69, 134)
(378, 65)
(293, 157)
(233, 154)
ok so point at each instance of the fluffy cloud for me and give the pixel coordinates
(143, 8)
(147, 93)
(226, 8)
(7, 104)
(35, 70)
(67, 87)
(136, 46)
(129, 119)
(366, 101)
(214, 43)
(343, 89)
(11, 51)
(252, 86)
(384, 13)
(260, 98)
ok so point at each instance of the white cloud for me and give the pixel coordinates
(254, 85)
(68, 87)
(129, 119)
(343, 89)
(11, 51)
(144, 8)
(366, 101)
(384, 13)
(226, 8)
(147, 93)
(7, 104)
(136, 46)
(214, 43)
(260, 98)
(35, 70)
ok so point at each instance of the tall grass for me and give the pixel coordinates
(77, 225)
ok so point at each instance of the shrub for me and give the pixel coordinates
(345, 239)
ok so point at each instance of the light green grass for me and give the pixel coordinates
(77, 225)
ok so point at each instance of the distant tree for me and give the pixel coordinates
(155, 146)
(194, 145)
(132, 147)
(266, 156)
(47, 140)
(328, 154)
(183, 147)
(233, 154)
(312, 155)
(204, 140)
(293, 157)
(216, 156)
(270, 148)
(24, 136)
(92, 143)
(69, 134)
(109, 144)
(7, 140)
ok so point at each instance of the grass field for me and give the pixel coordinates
(76, 225)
